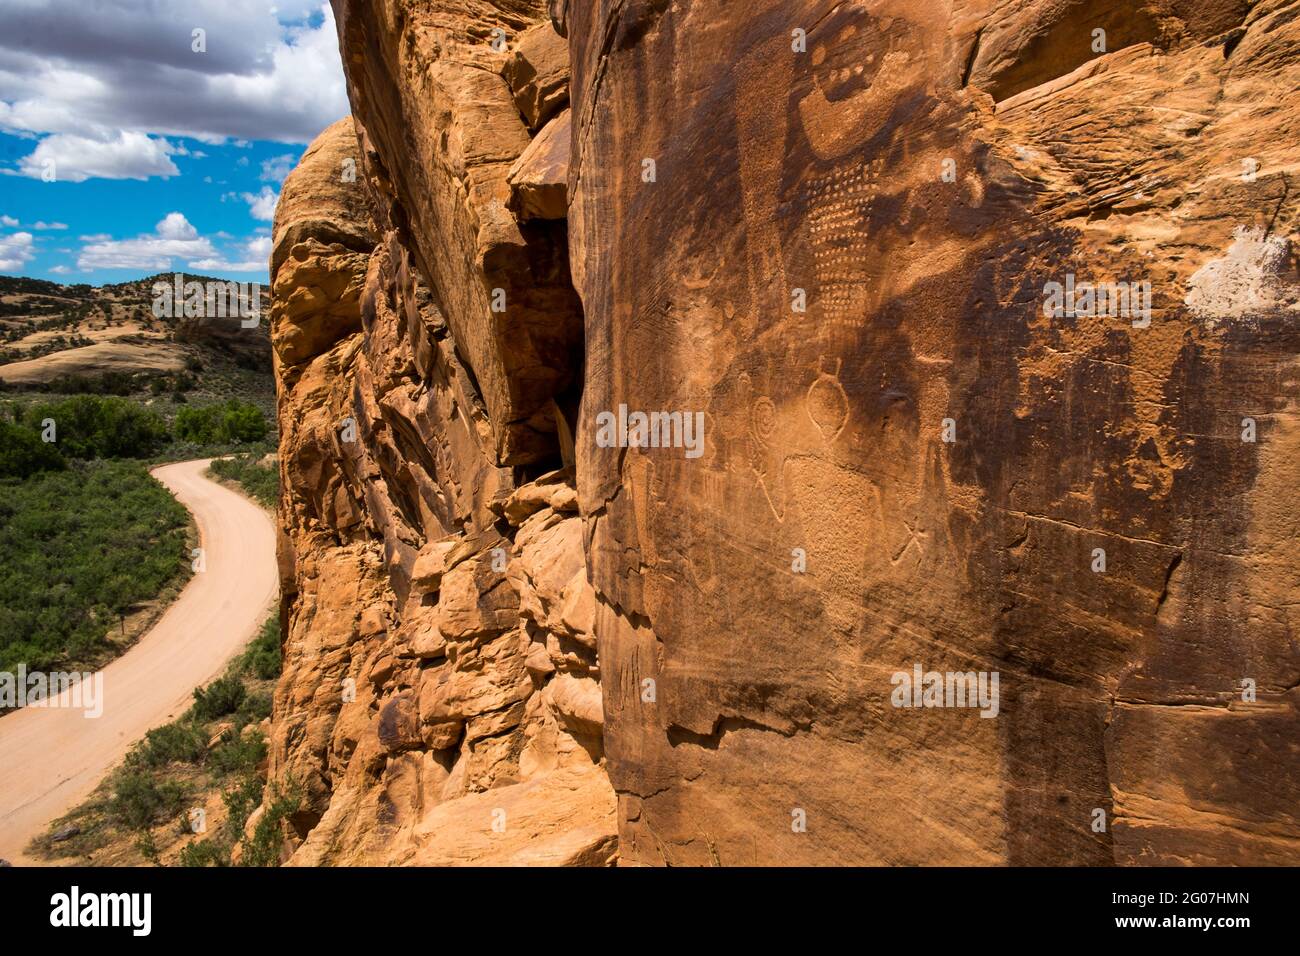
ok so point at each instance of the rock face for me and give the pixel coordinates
(440, 701)
(538, 74)
(426, 82)
(841, 260)
(972, 334)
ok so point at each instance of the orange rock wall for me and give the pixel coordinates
(831, 231)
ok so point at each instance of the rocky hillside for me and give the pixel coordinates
(54, 335)
(988, 316)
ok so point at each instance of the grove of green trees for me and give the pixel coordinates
(224, 423)
(45, 435)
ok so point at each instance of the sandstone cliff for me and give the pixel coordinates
(836, 232)
(440, 701)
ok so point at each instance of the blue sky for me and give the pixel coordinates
(162, 156)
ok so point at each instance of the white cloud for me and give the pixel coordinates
(262, 205)
(60, 270)
(94, 70)
(15, 250)
(277, 168)
(72, 158)
(260, 247)
(175, 226)
(173, 238)
(295, 9)
(49, 225)
(8, 221)
(257, 249)
(224, 265)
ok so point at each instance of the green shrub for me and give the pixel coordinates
(204, 853)
(263, 656)
(140, 802)
(240, 800)
(263, 847)
(22, 453)
(223, 696)
(261, 482)
(81, 547)
(148, 848)
(224, 423)
(239, 754)
(178, 742)
(254, 709)
(91, 426)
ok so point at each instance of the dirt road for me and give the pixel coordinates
(52, 758)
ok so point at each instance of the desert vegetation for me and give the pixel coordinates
(86, 544)
(231, 421)
(90, 539)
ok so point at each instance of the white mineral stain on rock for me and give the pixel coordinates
(1242, 281)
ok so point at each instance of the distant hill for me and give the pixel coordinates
(70, 338)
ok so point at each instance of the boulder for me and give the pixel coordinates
(538, 74)
(539, 178)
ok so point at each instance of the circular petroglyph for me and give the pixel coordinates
(763, 418)
(828, 406)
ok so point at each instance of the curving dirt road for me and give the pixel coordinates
(52, 758)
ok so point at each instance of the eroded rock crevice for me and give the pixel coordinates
(441, 699)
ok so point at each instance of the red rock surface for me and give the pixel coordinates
(829, 229)
(437, 699)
